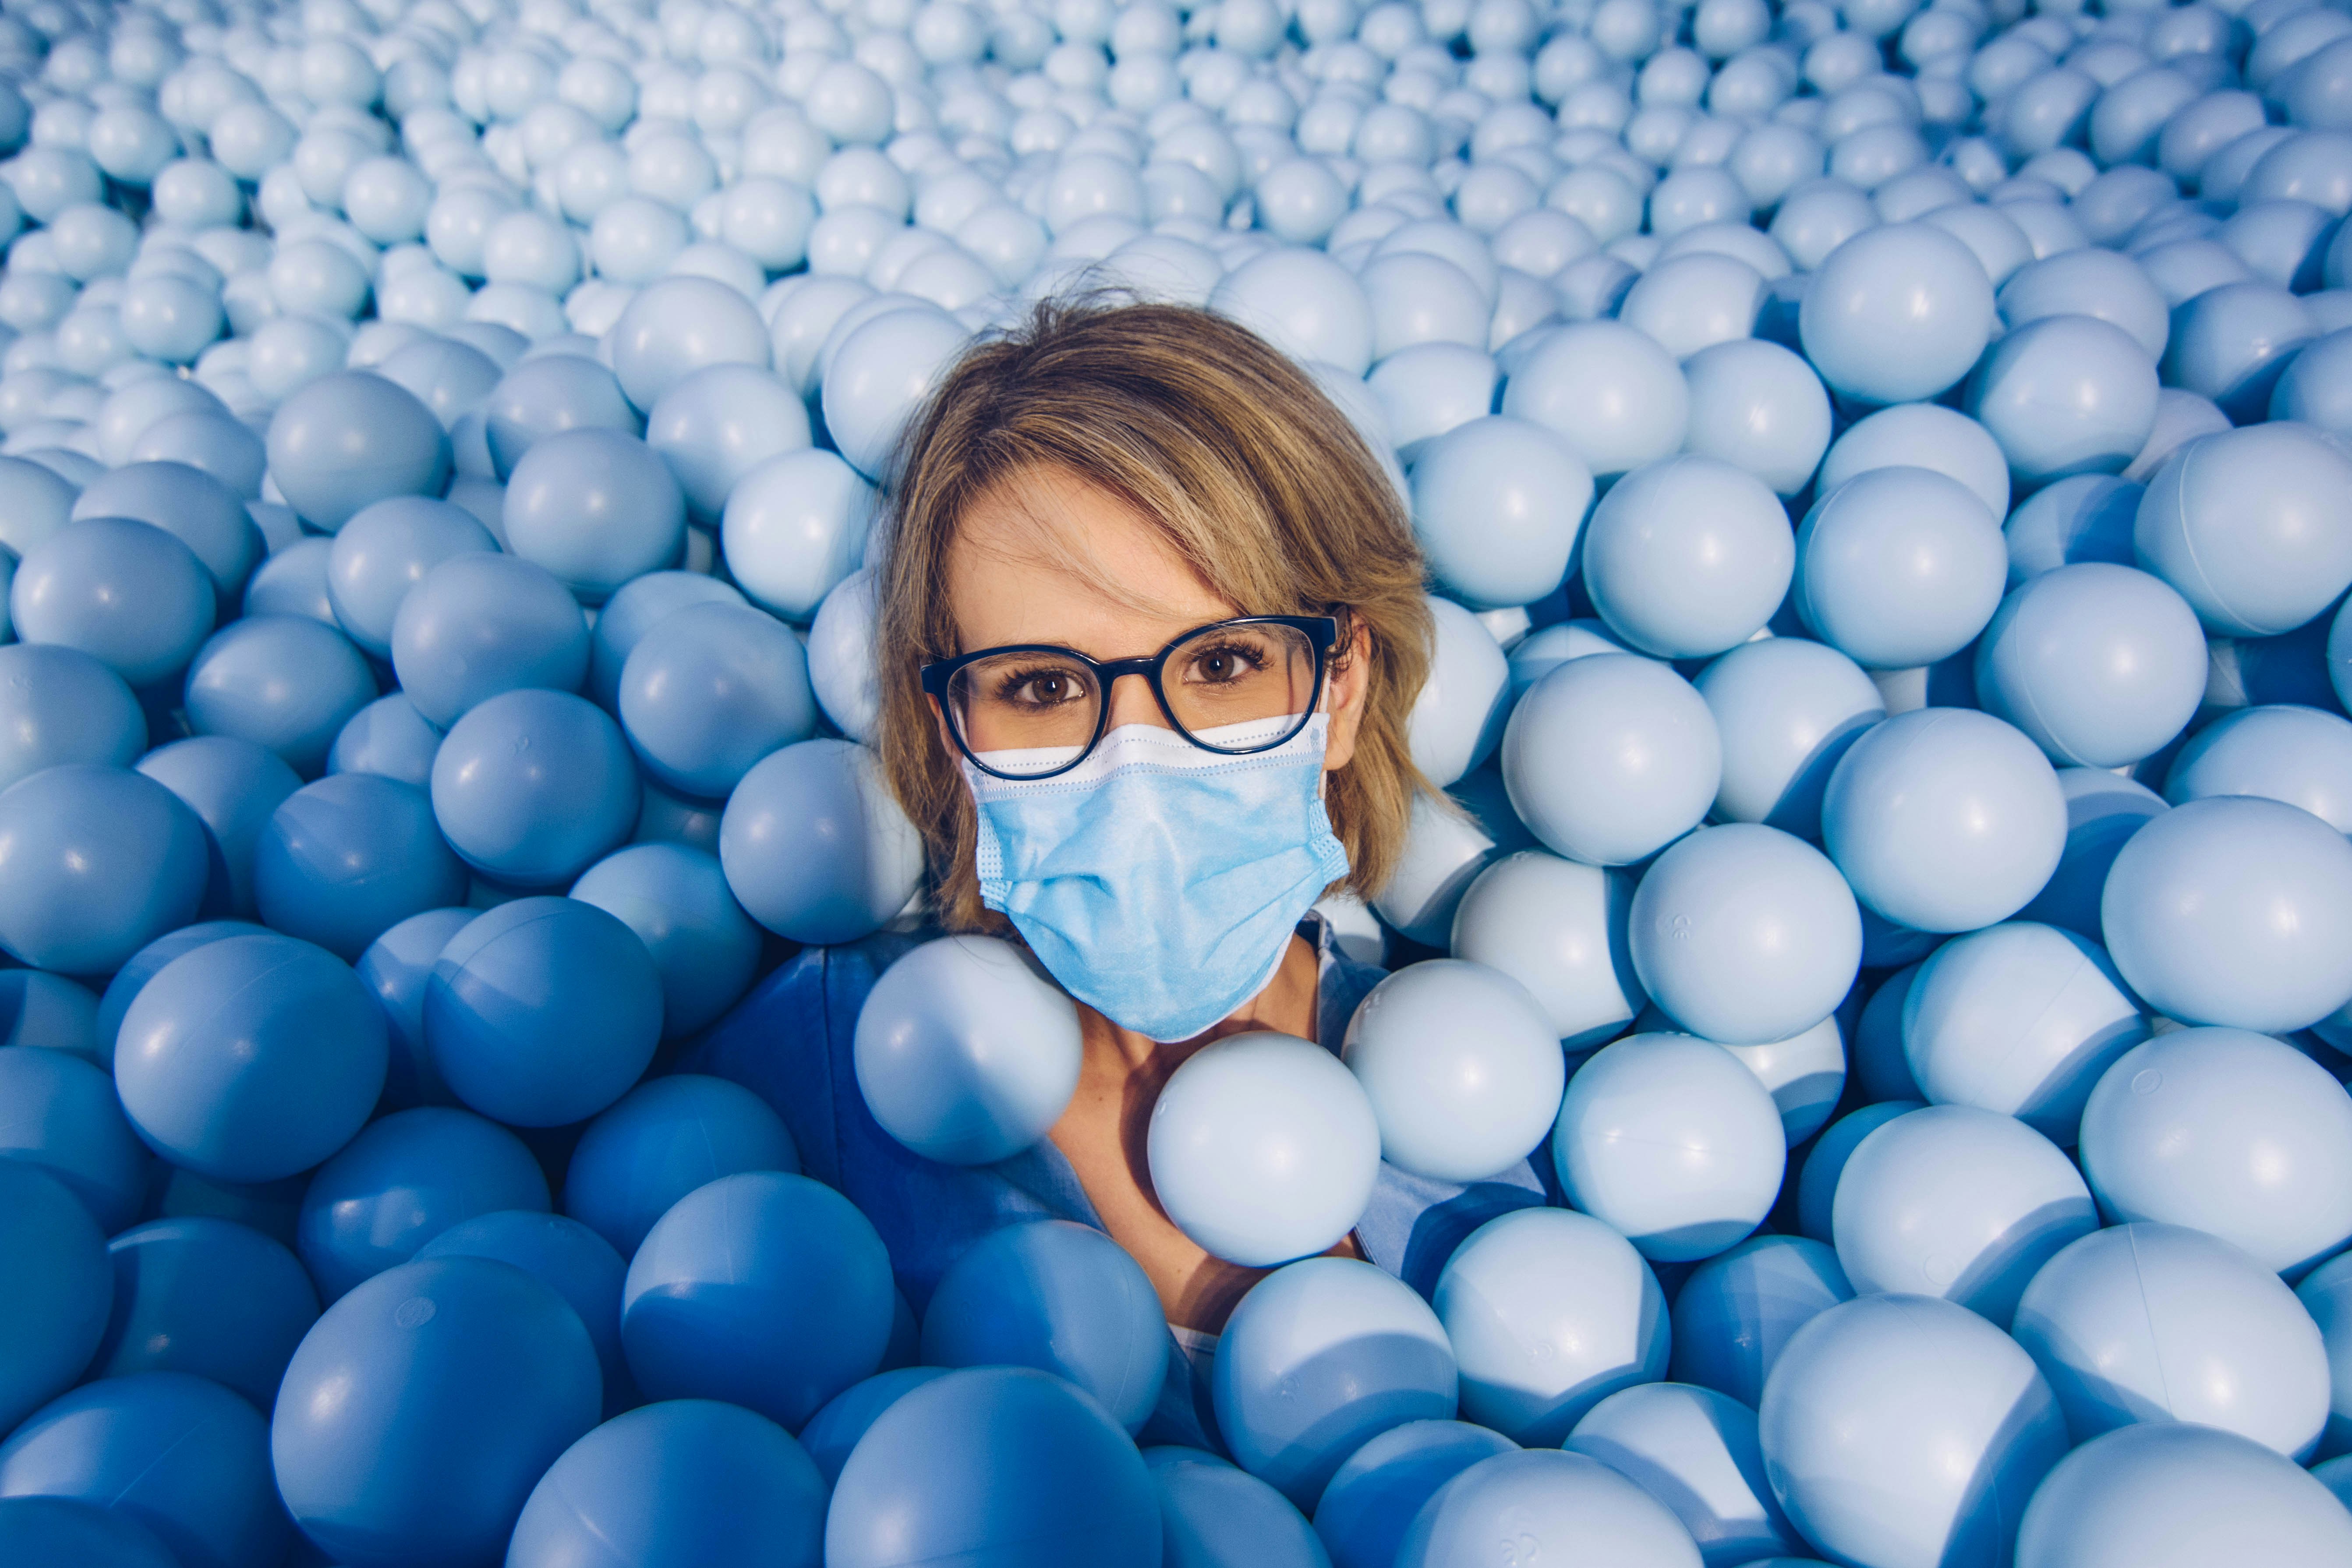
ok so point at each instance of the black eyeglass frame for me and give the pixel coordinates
(1322, 634)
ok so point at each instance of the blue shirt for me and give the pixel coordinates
(790, 1043)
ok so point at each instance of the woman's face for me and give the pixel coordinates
(1052, 558)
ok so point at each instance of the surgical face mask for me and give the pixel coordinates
(1159, 882)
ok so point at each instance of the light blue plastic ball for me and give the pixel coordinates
(282, 681)
(478, 625)
(542, 1011)
(2101, 664)
(192, 506)
(1898, 567)
(2254, 527)
(2114, 1319)
(406, 1178)
(1922, 435)
(294, 582)
(1944, 820)
(1825, 1161)
(1213, 1514)
(675, 898)
(350, 439)
(127, 594)
(2230, 343)
(1498, 506)
(2086, 518)
(1786, 708)
(816, 848)
(768, 1288)
(596, 507)
(2283, 752)
(2089, 281)
(1461, 1065)
(997, 1467)
(2326, 1294)
(2228, 1133)
(1547, 1503)
(832, 1434)
(208, 1296)
(1745, 935)
(710, 691)
(676, 1485)
(95, 863)
(383, 551)
(1687, 556)
(234, 787)
(60, 705)
(2234, 911)
(1673, 1141)
(397, 966)
(1738, 1310)
(388, 737)
(1756, 404)
(59, 1113)
(2316, 387)
(1895, 313)
(1610, 758)
(1906, 1429)
(148, 962)
(2162, 1495)
(1956, 1203)
(635, 609)
(1317, 1359)
(548, 393)
(567, 1258)
(2066, 394)
(1371, 1499)
(420, 1411)
(1695, 1451)
(2103, 811)
(532, 787)
(1608, 389)
(345, 859)
(662, 1140)
(1062, 1298)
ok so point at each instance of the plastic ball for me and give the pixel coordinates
(345, 859)
(1458, 719)
(2089, 281)
(60, 1532)
(293, 582)
(1943, 819)
(767, 1288)
(570, 1259)
(189, 504)
(993, 1467)
(1896, 313)
(965, 1053)
(126, 593)
(478, 625)
(180, 1455)
(1210, 1512)
(1371, 1499)
(1737, 1310)
(1547, 1503)
(660, 1142)
(60, 705)
(1558, 928)
(677, 326)
(1696, 1450)
(814, 846)
(1745, 935)
(595, 508)
(1898, 567)
(879, 373)
(2251, 527)
(2233, 910)
(389, 738)
(148, 962)
(1263, 1148)
(2101, 664)
(1759, 407)
(684, 1482)
(384, 550)
(711, 690)
(47, 1235)
(1498, 505)
(1687, 557)
(832, 1434)
(282, 681)
(1787, 710)
(533, 786)
(1673, 1141)
(546, 394)
(720, 423)
(350, 439)
(2288, 753)
(234, 786)
(1610, 758)
(675, 896)
(2158, 1495)
(1304, 303)
(49, 1012)
(406, 1178)
(841, 667)
(419, 1414)
(207, 1297)
(1463, 1070)
(95, 863)
(2066, 394)
(2229, 344)
(2228, 1133)
(635, 610)
(1608, 390)
(1922, 435)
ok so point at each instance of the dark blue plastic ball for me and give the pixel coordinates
(208, 1296)
(533, 787)
(390, 737)
(397, 966)
(53, 1314)
(763, 1289)
(59, 1113)
(689, 1483)
(232, 786)
(282, 681)
(676, 898)
(404, 1180)
(127, 594)
(51, 1012)
(994, 1468)
(567, 1258)
(148, 962)
(345, 859)
(95, 863)
(833, 1432)
(423, 1406)
(660, 1142)
(65, 1532)
(477, 624)
(251, 1059)
(542, 1011)
(60, 705)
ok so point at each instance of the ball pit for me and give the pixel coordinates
(1881, 480)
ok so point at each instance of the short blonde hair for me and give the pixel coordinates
(1235, 454)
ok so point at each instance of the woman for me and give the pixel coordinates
(1151, 623)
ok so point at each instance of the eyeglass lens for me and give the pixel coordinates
(1035, 710)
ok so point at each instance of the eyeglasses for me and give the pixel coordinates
(1033, 711)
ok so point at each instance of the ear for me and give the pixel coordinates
(1347, 680)
(947, 737)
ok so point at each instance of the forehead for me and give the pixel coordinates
(1050, 556)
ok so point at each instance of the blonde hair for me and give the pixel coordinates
(1258, 483)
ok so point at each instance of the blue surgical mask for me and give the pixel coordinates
(1159, 882)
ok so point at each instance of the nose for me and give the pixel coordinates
(1132, 702)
